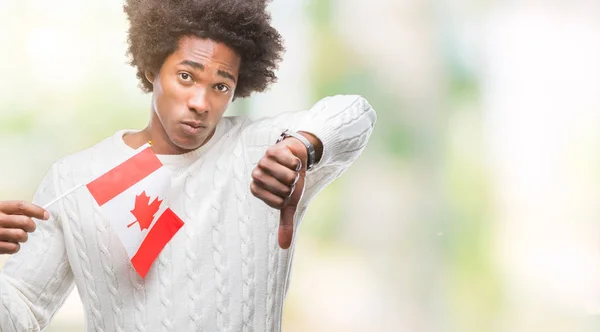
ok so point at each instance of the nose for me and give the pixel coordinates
(199, 102)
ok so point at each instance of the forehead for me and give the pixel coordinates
(208, 53)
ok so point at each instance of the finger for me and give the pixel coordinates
(14, 235)
(23, 208)
(9, 248)
(17, 221)
(271, 184)
(280, 172)
(282, 155)
(286, 220)
(270, 199)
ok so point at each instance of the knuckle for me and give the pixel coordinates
(19, 235)
(253, 189)
(22, 222)
(288, 191)
(259, 180)
(271, 152)
(262, 163)
(280, 202)
(21, 205)
(291, 179)
(9, 248)
(14, 248)
(274, 204)
(31, 226)
(284, 151)
(12, 234)
(256, 173)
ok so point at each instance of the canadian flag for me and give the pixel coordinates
(131, 196)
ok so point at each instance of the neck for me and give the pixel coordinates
(155, 133)
(161, 144)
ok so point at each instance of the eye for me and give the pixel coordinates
(185, 77)
(222, 88)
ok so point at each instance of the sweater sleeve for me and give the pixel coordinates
(35, 282)
(343, 123)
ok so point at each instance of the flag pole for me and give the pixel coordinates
(62, 196)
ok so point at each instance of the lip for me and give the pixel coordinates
(192, 127)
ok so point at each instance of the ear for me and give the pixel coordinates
(149, 76)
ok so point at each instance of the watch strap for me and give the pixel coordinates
(310, 149)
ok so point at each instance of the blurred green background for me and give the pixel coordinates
(474, 206)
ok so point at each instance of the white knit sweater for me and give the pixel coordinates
(223, 271)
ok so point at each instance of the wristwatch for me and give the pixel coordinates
(310, 149)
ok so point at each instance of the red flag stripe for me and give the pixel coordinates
(159, 235)
(120, 178)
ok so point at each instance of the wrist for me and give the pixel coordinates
(308, 143)
(317, 144)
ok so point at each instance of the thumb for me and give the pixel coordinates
(286, 220)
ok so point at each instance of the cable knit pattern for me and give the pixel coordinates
(272, 268)
(342, 117)
(111, 279)
(106, 258)
(57, 279)
(226, 271)
(166, 290)
(94, 304)
(15, 289)
(220, 255)
(56, 282)
(194, 283)
(246, 243)
(356, 143)
(139, 301)
(84, 260)
(17, 311)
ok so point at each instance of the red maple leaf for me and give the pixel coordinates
(144, 211)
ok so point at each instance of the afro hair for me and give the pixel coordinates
(156, 26)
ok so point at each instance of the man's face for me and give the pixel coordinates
(192, 91)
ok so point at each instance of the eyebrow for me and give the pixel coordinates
(225, 74)
(199, 66)
(193, 64)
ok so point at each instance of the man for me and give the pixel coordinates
(227, 268)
